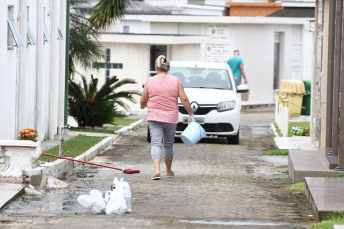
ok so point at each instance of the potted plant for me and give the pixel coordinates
(28, 134)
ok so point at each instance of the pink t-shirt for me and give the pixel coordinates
(163, 99)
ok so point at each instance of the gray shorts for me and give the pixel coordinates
(162, 134)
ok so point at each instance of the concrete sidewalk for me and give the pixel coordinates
(322, 185)
(10, 191)
(294, 143)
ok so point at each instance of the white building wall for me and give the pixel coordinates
(164, 3)
(256, 49)
(9, 78)
(30, 73)
(192, 28)
(135, 59)
(186, 52)
(134, 27)
(308, 55)
(31, 68)
(54, 72)
(163, 28)
(255, 37)
(6, 78)
(203, 10)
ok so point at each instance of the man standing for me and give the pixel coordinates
(237, 65)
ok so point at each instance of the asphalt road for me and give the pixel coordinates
(216, 185)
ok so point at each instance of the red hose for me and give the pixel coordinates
(127, 171)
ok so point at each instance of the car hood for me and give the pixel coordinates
(209, 96)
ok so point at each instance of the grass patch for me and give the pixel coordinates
(278, 152)
(329, 221)
(119, 123)
(303, 125)
(124, 121)
(73, 147)
(278, 131)
(297, 187)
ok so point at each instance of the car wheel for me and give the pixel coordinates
(233, 139)
(148, 135)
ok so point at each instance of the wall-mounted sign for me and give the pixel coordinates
(296, 73)
(297, 54)
(217, 52)
(219, 32)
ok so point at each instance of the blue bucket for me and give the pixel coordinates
(193, 133)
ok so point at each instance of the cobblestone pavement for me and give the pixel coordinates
(217, 185)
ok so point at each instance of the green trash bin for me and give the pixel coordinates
(306, 101)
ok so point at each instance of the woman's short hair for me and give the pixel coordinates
(162, 63)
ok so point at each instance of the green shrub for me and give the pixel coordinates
(92, 107)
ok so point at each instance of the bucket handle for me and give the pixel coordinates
(200, 132)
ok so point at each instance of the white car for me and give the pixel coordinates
(214, 98)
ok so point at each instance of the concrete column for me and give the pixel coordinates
(330, 72)
(31, 65)
(316, 130)
(23, 91)
(340, 166)
(285, 120)
(336, 74)
(54, 73)
(280, 116)
(41, 77)
(8, 132)
(9, 77)
(326, 80)
(276, 109)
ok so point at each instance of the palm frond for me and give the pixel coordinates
(106, 89)
(84, 46)
(108, 11)
(121, 104)
(123, 82)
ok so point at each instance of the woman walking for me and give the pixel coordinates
(160, 95)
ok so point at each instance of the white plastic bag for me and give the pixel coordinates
(107, 196)
(99, 203)
(86, 200)
(116, 203)
(95, 194)
(99, 206)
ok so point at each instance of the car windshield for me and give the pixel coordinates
(202, 77)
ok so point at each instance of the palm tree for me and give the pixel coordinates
(93, 107)
(108, 11)
(84, 47)
(88, 105)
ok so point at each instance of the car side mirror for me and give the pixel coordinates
(242, 89)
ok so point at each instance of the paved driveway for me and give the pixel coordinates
(217, 185)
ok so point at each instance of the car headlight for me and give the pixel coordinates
(225, 106)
